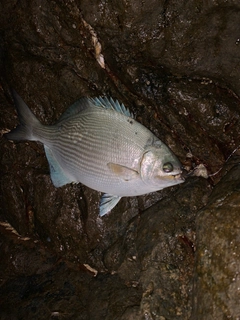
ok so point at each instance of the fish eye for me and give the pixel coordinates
(167, 167)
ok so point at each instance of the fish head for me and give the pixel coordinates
(160, 168)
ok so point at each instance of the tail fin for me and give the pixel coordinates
(28, 121)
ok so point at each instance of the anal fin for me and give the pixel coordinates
(107, 203)
(58, 176)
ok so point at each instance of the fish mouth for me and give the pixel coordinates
(179, 176)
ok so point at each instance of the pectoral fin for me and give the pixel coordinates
(107, 203)
(123, 172)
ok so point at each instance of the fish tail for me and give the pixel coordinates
(28, 121)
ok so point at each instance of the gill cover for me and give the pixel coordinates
(154, 168)
(148, 165)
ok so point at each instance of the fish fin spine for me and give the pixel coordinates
(107, 203)
(109, 103)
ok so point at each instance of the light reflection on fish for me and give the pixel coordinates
(98, 143)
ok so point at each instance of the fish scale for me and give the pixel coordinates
(98, 143)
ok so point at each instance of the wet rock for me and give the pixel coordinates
(147, 273)
(175, 65)
(217, 282)
(165, 251)
(192, 39)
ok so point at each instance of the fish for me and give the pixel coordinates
(97, 142)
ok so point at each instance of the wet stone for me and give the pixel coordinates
(172, 254)
(217, 282)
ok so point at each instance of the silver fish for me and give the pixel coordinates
(98, 143)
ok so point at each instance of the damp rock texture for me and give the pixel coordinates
(217, 279)
(168, 255)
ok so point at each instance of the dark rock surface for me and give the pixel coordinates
(168, 255)
(217, 276)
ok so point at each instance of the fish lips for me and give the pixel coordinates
(169, 180)
(178, 177)
(175, 178)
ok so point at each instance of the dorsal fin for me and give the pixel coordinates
(109, 103)
(75, 108)
(100, 102)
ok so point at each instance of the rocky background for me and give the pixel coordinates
(169, 255)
